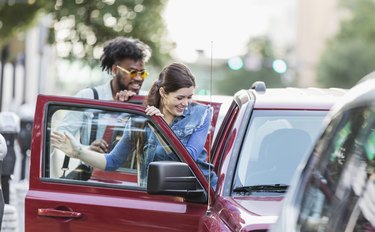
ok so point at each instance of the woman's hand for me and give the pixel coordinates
(152, 110)
(66, 143)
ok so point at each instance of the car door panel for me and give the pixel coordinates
(99, 212)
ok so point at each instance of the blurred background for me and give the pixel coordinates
(53, 46)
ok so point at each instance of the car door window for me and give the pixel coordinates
(347, 160)
(87, 125)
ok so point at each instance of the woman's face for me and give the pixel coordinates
(174, 103)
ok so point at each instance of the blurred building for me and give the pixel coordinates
(25, 73)
(318, 21)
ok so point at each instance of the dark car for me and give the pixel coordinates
(262, 138)
(335, 186)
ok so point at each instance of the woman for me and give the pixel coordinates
(169, 97)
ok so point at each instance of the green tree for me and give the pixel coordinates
(345, 62)
(351, 53)
(261, 46)
(232, 80)
(243, 79)
(79, 28)
(15, 18)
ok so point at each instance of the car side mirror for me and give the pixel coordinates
(176, 179)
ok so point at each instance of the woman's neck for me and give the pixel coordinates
(167, 116)
(169, 119)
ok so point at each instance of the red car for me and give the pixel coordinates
(261, 140)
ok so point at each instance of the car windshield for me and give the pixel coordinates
(274, 145)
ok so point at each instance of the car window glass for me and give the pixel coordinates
(362, 216)
(88, 125)
(274, 144)
(331, 199)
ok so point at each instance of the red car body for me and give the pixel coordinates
(61, 205)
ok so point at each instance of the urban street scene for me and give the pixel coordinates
(187, 115)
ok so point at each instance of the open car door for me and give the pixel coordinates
(111, 201)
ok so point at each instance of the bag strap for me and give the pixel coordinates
(95, 92)
(94, 128)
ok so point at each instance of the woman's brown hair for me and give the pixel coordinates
(172, 78)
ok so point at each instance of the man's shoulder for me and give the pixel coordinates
(85, 93)
(104, 92)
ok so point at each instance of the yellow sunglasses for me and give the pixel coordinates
(134, 73)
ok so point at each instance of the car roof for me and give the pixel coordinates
(297, 98)
(362, 93)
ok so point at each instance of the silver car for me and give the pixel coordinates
(335, 186)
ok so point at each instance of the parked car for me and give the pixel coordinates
(335, 186)
(261, 140)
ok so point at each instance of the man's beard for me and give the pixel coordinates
(121, 85)
(132, 82)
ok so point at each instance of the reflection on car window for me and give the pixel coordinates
(334, 196)
(274, 145)
(88, 125)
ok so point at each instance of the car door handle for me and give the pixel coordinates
(58, 213)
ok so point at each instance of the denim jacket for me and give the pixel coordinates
(191, 128)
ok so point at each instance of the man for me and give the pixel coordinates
(124, 59)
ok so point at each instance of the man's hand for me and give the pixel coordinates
(124, 95)
(99, 145)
